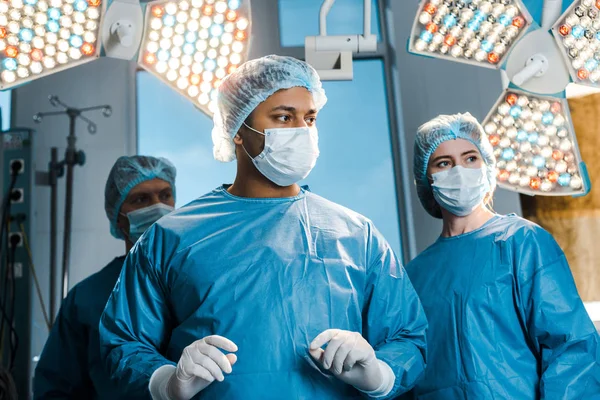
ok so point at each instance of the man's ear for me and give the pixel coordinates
(237, 139)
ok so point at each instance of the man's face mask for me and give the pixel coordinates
(289, 155)
(142, 219)
(460, 190)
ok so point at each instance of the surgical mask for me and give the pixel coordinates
(460, 190)
(289, 155)
(142, 219)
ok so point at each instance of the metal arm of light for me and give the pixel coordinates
(332, 55)
(537, 64)
(551, 12)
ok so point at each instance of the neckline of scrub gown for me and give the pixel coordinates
(224, 189)
(487, 223)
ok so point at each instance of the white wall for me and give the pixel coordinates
(105, 81)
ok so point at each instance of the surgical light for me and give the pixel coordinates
(534, 145)
(163, 52)
(530, 126)
(23, 40)
(577, 33)
(476, 32)
(190, 45)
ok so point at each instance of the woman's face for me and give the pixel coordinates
(455, 152)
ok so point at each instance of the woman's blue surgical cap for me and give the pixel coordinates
(433, 133)
(128, 172)
(251, 84)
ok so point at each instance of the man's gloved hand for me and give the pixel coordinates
(350, 358)
(201, 363)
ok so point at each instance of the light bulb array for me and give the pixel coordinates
(193, 44)
(476, 31)
(535, 146)
(578, 35)
(39, 37)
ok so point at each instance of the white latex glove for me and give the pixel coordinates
(350, 358)
(201, 363)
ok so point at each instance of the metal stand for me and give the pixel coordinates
(56, 169)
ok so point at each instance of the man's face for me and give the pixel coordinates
(144, 195)
(288, 108)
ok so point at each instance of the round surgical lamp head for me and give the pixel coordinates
(577, 33)
(535, 145)
(477, 32)
(41, 37)
(192, 45)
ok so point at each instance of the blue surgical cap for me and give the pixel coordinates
(128, 172)
(433, 133)
(251, 84)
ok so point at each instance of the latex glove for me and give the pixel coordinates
(350, 358)
(201, 363)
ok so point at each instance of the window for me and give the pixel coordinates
(355, 168)
(5, 106)
(170, 126)
(300, 18)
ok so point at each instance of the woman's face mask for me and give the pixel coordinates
(460, 190)
(289, 155)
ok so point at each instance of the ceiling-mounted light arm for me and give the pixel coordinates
(367, 19)
(538, 64)
(332, 55)
(325, 7)
(551, 11)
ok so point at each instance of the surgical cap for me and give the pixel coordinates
(433, 133)
(128, 172)
(251, 84)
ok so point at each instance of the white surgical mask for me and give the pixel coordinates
(460, 190)
(142, 219)
(289, 154)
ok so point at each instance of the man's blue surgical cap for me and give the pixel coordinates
(128, 172)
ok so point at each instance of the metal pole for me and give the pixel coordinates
(53, 174)
(399, 151)
(70, 162)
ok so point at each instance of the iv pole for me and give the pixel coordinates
(73, 157)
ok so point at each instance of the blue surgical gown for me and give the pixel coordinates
(269, 274)
(505, 318)
(70, 364)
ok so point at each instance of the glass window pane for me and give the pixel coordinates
(355, 168)
(300, 18)
(5, 106)
(170, 126)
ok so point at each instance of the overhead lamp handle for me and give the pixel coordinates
(123, 30)
(537, 65)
